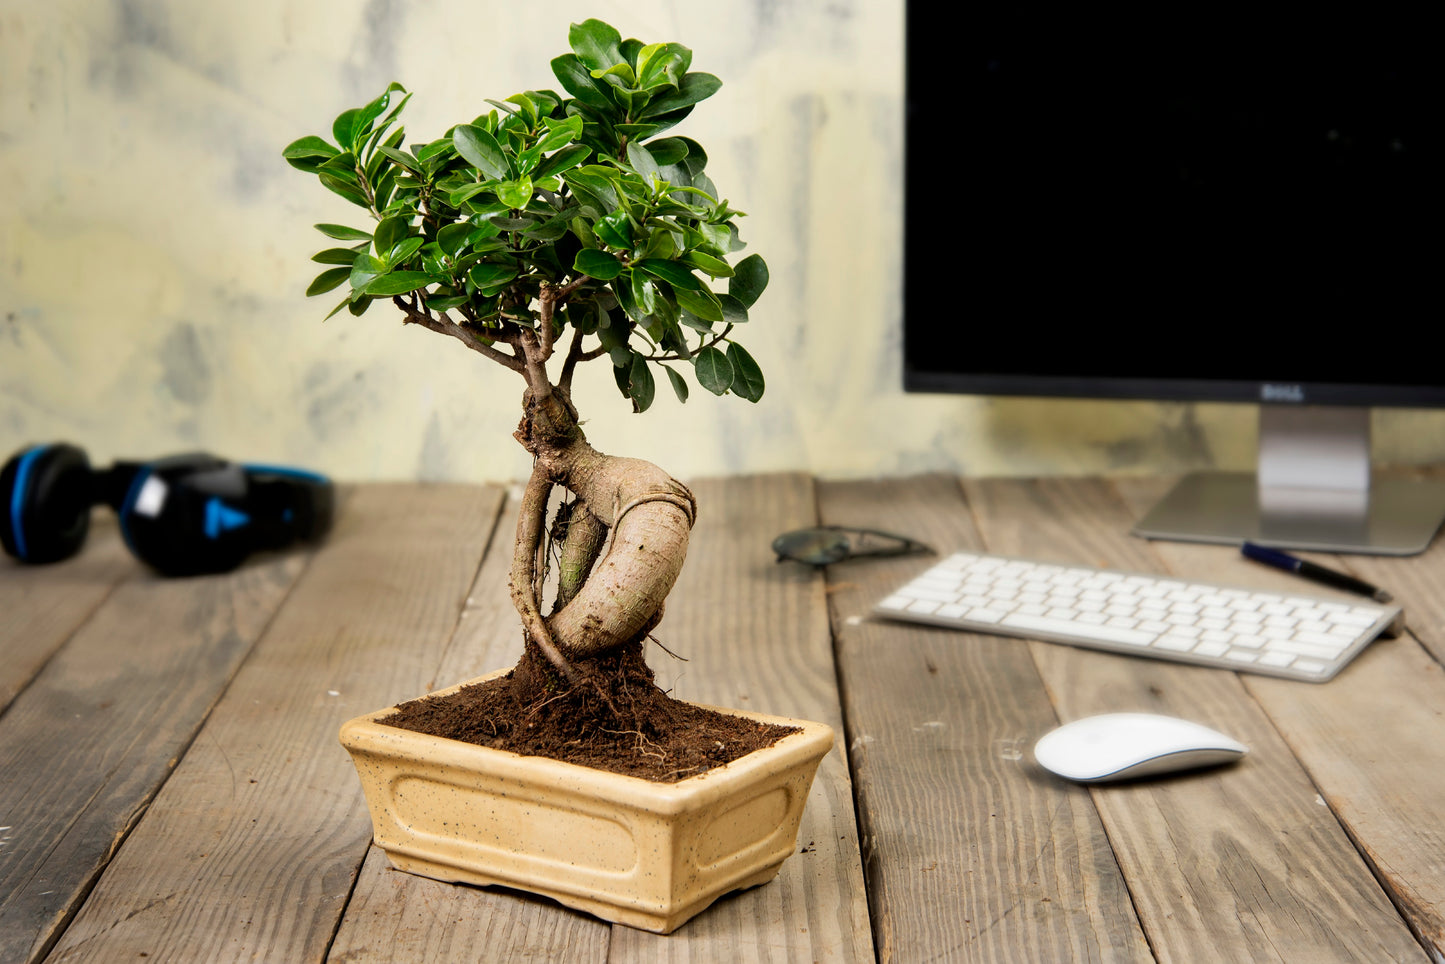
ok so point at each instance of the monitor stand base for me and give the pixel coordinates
(1400, 519)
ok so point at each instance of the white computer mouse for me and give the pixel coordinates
(1123, 746)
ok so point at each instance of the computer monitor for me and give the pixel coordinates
(1193, 206)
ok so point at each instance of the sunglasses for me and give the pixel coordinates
(822, 545)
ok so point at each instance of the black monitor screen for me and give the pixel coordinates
(1173, 209)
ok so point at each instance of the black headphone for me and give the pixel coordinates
(183, 515)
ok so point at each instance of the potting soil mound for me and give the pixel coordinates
(635, 729)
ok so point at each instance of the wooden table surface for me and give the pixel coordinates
(172, 789)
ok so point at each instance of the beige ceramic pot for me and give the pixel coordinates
(649, 855)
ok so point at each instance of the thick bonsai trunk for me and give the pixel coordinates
(610, 594)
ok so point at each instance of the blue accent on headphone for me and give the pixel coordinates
(17, 498)
(285, 470)
(222, 518)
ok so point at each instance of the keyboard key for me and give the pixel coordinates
(1176, 644)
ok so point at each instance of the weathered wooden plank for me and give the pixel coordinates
(41, 606)
(251, 848)
(971, 853)
(1372, 739)
(395, 917)
(89, 741)
(755, 635)
(1241, 860)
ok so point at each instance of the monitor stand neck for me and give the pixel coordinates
(1313, 490)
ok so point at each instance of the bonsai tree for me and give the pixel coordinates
(549, 232)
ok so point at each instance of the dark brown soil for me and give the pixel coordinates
(615, 718)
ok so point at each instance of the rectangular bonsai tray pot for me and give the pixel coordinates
(648, 855)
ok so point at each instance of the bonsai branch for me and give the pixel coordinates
(576, 354)
(415, 313)
(717, 338)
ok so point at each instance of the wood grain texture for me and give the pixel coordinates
(86, 746)
(1241, 860)
(755, 635)
(1387, 792)
(42, 606)
(251, 849)
(971, 853)
(395, 917)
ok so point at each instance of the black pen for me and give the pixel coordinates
(1319, 574)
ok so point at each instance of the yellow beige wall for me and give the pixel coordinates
(154, 249)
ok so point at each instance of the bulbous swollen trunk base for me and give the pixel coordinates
(613, 692)
(608, 671)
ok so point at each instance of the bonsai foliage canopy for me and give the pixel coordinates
(552, 213)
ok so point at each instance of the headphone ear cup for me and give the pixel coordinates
(164, 516)
(47, 493)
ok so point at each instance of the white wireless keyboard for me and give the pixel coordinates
(1291, 635)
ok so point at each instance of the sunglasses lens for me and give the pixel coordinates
(816, 547)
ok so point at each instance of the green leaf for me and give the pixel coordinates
(597, 44)
(335, 256)
(641, 160)
(327, 280)
(641, 387)
(668, 150)
(307, 153)
(702, 303)
(660, 244)
(404, 249)
(489, 276)
(398, 283)
(747, 376)
(460, 197)
(597, 264)
(453, 237)
(347, 189)
(694, 322)
(447, 303)
(714, 371)
(644, 296)
(342, 233)
(364, 270)
(344, 127)
(716, 267)
(673, 273)
(679, 387)
(389, 232)
(614, 230)
(619, 75)
(402, 158)
(515, 194)
(693, 88)
(346, 303)
(749, 279)
(576, 78)
(481, 150)
(662, 65)
(556, 127)
(529, 109)
(734, 311)
(564, 160)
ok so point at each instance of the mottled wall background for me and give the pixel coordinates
(154, 249)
